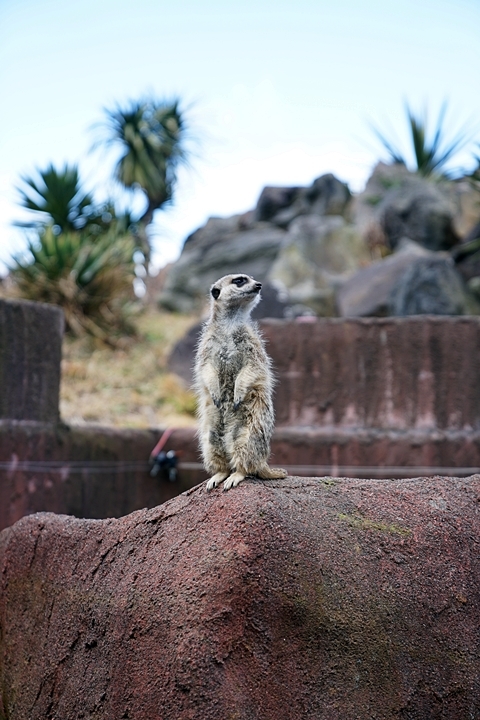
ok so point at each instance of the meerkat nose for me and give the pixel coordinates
(258, 286)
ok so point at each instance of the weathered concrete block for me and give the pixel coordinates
(89, 472)
(416, 373)
(301, 598)
(30, 356)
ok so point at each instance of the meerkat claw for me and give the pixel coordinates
(233, 480)
(216, 480)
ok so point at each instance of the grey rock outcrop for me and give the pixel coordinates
(404, 204)
(328, 253)
(273, 200)
(467, 255)
(254, 241)
(431, 286)
(412, 281)
(317, 254)
(280, 205)
(219, 248)
(466, 200)
(367, 292)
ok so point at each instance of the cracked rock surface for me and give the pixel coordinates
(303, 598)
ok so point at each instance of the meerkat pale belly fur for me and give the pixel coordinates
(234, 385)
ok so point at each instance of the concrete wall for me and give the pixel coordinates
(361, 398)
(30, 354)
(416, 373)
(89, 472)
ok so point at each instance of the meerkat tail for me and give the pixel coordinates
(268, 473)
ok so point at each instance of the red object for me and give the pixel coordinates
(161, 443)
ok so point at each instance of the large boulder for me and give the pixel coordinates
(412, 281)
(467, 255)
(317, 254)
(327, 195)
(466, 198)
(321, 599)
(273, 199)
(280, 205)
(251, 242)
(404, 204)
(368, 291)
(431, 286)
(219, 248)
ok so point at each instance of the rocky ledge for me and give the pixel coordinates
(312, 598)
(406, 245)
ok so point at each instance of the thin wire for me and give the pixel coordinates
(107, 466)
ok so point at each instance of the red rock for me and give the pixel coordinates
(296, 599)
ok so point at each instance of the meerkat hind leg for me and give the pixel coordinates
(216, 480)
(234, 480)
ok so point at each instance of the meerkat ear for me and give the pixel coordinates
(215, 293)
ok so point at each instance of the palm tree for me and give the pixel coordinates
(431, 155)
(57, 198)
(151, 136)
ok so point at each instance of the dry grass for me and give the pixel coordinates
(128, 387)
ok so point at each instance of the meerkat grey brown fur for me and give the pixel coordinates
(234, 385)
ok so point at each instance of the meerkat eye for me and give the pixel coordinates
(215, 293)
(239, 281)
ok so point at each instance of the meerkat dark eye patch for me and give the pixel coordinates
(239, 281)
(215, 293)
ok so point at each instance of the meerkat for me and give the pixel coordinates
(234, 385)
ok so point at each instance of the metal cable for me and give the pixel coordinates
(108, 466)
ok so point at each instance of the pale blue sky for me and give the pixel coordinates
(280, 91)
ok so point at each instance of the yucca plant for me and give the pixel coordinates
(89, 276)
(151, 136)
(56, 197)
(431, 152)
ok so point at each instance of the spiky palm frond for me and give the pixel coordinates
(89, 276)
(151, 136)
(56, 197)
(430, 155)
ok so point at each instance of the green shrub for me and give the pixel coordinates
(90, 276)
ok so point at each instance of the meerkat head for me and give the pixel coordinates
(235, 295)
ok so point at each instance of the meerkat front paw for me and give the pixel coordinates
(234, 480)
(216, 480)
(216, 401)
